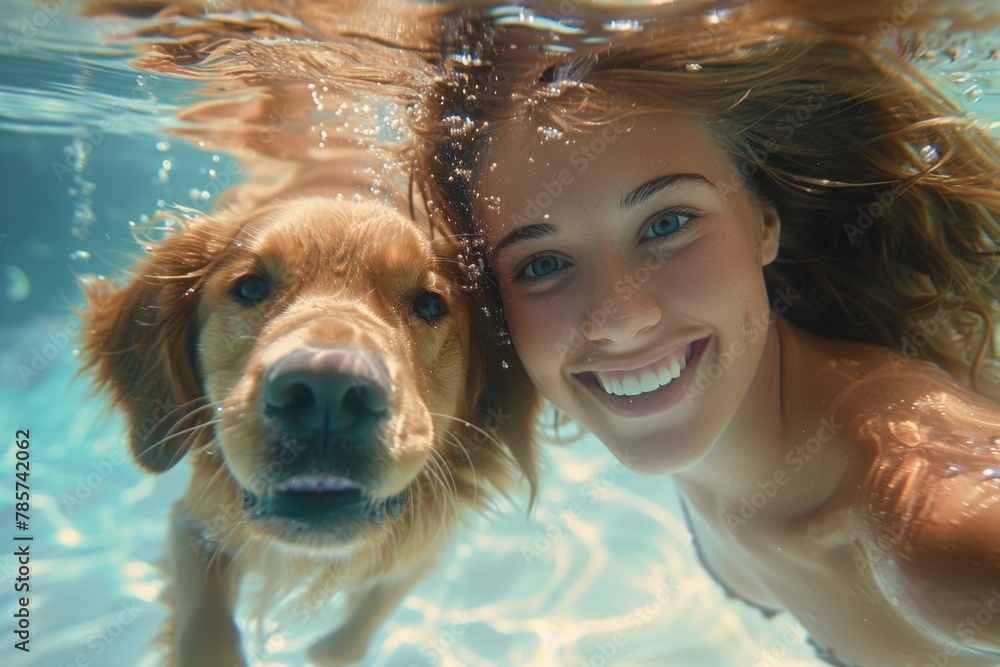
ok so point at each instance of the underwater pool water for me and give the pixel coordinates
(602, 573)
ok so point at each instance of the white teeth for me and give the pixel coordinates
(641, 382)
(649, 381)
(316, 484)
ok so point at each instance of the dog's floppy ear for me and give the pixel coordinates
(139, 342)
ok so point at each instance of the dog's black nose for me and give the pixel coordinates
(328, 390)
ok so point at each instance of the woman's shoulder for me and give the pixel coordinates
(869, 387)
(901, 416)
(924, 481)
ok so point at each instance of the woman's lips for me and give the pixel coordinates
(641, 400)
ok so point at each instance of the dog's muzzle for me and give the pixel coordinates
(333, 402)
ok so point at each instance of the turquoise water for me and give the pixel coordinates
(602, 573)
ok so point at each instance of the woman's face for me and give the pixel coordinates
(629, 261)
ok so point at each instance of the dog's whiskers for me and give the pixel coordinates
(491, 441)
(187, 433)
(439, 471)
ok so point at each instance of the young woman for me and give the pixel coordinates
(759, 256)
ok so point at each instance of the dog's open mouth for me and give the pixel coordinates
(322, 500)
(314, 497)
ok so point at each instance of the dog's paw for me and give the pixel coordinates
(209, 642)
(338, 649)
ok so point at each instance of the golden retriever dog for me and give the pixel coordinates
(316, 362)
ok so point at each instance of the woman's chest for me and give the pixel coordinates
(816, 569)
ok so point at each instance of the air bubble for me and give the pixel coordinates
(929, 154)
(692, 67)
(459, 125)
(18, 283)
(717, 16)
(623, 25)
(79, 254)
(550, 132)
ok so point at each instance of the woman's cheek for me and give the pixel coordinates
(540, 332)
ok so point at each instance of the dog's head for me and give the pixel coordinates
(317, 359)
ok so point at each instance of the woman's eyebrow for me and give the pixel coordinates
(651, 187)
(526, 233)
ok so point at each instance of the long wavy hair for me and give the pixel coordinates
(887, 191)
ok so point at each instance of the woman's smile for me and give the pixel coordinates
(638, 391)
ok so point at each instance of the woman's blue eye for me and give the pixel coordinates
(666, 223)
(543, 266)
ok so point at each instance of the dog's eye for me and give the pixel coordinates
(251, 290)
(429, 307)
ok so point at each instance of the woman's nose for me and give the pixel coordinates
(621, 309)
